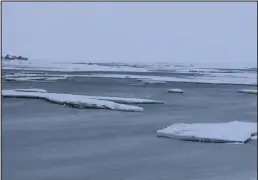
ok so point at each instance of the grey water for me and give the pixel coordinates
(44, 141)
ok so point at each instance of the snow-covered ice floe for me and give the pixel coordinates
(31, 90)
(127, 100)
(80, 101)
(248, 91)
(229, 132)
(175, 90)
(77, 101)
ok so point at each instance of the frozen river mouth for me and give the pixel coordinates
(48, 141)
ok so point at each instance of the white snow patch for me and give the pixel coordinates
(175, 90)
(229, 132)
(77, 101)
(31, 90)
(248, 91)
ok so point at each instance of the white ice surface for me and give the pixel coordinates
(78, 101)
(229, 132)
(175, 90)
(31, 90)
(248, 91)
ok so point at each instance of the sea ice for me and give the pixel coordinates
(175, 90)
(31, 90)
(127, 100)
(35, 78)
(77, 101)
(248, 91)
(150, 81)
(229, 132)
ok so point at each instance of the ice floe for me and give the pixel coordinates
(127, 100)
(31, 90)
(201, 79)
(40, 78)
(150, 81)
(77, 101)
(175, 90)
(229, 132)
(248, 91)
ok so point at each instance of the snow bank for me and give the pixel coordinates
(248, 91)
(31, 90)
(229, 132)
(175, 90)
(77, 101)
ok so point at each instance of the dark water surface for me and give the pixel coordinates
(44, 141)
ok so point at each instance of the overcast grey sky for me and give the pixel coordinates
(132, 32)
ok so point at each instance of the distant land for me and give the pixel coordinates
(10, 57)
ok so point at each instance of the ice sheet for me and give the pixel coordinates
(77, 101)
(229, 132)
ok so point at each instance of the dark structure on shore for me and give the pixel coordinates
(9, 57)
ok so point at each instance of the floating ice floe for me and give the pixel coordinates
(45, 78)
(229, 132)
(150, 81)
(31, 90)
(175, 90)
(127, 100)
(248, 91)
(77, 101)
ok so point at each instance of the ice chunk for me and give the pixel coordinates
(77, 101)
(248, 91)
(127, 100)
(32, 90)
(175, 90)
(229, 132)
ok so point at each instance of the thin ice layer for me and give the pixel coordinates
(77, 101)
(229, 132)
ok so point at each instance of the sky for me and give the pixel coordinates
(181, 32)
